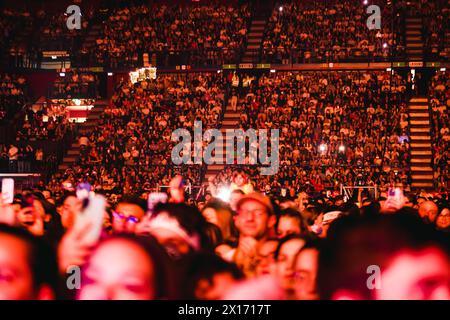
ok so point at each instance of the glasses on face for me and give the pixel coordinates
(121, 216)
(255, 212)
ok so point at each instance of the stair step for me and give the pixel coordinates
(420, 160)
(420, 122)
(422, 185)
(69, 159)
(257, 34)
(422, 176)
(414, 115)
(419, 107)
(413, 38)
(420, 129)
(414, 45)
(73, 152)
(259, 22)
(421, 153)
(414, 26)
(413, 32)
(421, 169)
(420, 145)
(257, 27)
(254, 41)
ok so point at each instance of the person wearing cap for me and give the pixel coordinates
(254, 219)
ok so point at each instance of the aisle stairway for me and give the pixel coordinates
(254, 41)
(414, 40)
(230, 121)
(84, 128)
(421, 154)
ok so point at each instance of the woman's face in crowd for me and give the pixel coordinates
(239, 180)
(118, 270)
(16, 280)
(285, 261)
(288, 225)
(211, 216)
(443, 220)
(305, 276)
(71, 207)
(265, 258)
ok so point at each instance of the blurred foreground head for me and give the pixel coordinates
(28, 268)
(126, 267)
(384, 257)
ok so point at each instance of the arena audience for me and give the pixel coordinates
(440, 104)
(329, 31)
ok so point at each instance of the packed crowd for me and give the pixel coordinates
(436, 22)
(249, 247)
(440, 105)
(330, 31)
(191, 35)
(13, 94)
(44, 123)
(75, 84)
(133, 150)
(335, 127)
(22, 158)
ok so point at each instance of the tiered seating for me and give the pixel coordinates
(194, 35)
(133, 149)
(440, 105)
(333, 126)
(329, 31)
(13, 91)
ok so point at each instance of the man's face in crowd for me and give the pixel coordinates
(70, 209)
(126, 216)
(428, 211)
(285, 261)
(423, 275)
(288, 225)
(216, 288)
(305, 277)
(253, 219)
(265, 258)
(16, 279)
(118, 270)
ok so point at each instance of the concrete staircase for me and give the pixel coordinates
(421, 154)
(414, 41)
(254, 41)
(230, 121)
(84, 128)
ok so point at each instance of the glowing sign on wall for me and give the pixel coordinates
(142, 74)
